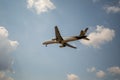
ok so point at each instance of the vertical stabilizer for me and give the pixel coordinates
(82, 33)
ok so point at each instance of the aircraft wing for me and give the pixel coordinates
(57, 34)
(82, 33)
(70, 45)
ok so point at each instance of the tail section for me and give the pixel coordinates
(83, 32)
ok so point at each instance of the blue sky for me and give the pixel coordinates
(26, 24)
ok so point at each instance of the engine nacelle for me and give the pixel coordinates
(61, 46)
(54, 39)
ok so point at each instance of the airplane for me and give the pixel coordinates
(64, 42)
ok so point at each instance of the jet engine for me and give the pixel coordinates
(61, 46)
(54, 39)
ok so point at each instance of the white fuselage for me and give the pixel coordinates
(73, 38)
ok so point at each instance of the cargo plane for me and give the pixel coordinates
(64, 42)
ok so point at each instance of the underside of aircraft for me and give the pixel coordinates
(64, 42)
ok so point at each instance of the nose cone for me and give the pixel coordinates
(44, 43)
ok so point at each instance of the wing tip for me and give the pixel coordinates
(56, 26)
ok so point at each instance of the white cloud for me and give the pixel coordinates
(4, 77)
(114, 70)
(99, 36)
(6, 60)
(111, 72)
(72, 77)
(6, 45)
(30, 3)
(93, 69)
(112, 9)
(40, 6)
(100, 74)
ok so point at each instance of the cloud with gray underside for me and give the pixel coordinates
(7, 46)
(99, 36)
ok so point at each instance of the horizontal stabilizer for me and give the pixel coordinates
(86, 38)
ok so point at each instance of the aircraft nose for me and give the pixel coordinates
(43, 43)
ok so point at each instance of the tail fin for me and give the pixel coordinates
(82, 33)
